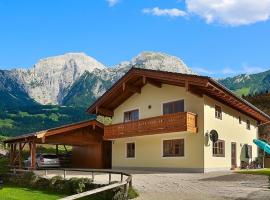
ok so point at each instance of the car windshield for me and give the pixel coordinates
(50, 156)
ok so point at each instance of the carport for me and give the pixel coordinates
(89, 150)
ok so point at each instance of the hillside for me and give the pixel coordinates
(261, 101)
(248, 84)
(30, 119)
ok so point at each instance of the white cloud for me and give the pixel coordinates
(252, 70)
(201, 70)
(230, 12)
(173, 12)
(112, 2)
(228, 71)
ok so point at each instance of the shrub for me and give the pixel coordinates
(79, 185)
(42, 183)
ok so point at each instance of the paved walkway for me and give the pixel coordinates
(192, 186)
(210, 186)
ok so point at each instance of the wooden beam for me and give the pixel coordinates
(33, 155)
(20, 155)
(133, 88)
(105, 112)
(154, 83)
(144, 80)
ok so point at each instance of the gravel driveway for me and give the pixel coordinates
(191, 186)
(218, 185)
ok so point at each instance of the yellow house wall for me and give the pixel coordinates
(149, 148)
(229, 130)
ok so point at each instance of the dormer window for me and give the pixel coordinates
(218, 112)
(132, 115)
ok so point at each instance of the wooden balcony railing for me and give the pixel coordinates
(183, 121)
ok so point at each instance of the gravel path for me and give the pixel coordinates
(192, 186)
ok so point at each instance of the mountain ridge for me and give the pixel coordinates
(54, 80)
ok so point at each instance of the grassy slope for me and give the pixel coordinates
(23, 120)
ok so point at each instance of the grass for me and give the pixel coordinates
(21, 193)
(11, 192)
(243, 91)
(255, 171)
(132, 193)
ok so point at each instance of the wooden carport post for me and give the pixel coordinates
(32, 146)
(11, 154)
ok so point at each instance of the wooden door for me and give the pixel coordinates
(233, 155)
(107, 154)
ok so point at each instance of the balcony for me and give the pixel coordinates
(184, 121)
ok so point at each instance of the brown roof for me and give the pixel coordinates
(136, 78)
(54, 131)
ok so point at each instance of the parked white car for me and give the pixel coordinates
(44, 161)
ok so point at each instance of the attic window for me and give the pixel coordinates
(218, 112)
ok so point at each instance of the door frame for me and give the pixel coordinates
(233, 157)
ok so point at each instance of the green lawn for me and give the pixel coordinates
(265, 171)
(20, 193)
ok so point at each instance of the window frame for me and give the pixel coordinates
(239, 120)
(248, 124)
(172, 101)
(173, 157)
(126, 150)
(218, 117)
(130, 110)
(223, 153)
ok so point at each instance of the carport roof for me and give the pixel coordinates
(54, 131)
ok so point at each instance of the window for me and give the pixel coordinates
(173, 107)
(130, 150)
(248, 124)
(173, 148)
(239, 120)
(219, 148)
(218, 112)
(132, 115)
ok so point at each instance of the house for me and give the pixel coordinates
(163, 120)
(160, 121)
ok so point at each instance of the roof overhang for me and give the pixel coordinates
(70, 128)
(136, 78)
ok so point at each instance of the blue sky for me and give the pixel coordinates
(218, 38)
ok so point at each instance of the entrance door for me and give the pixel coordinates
(233, 155)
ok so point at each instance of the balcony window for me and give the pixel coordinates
(132, 115)
(219, 148)
(130, 150)
(173, 107)
(173, 148)
(218, 112)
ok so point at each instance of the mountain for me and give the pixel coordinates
(78, 80)
(12, 93)
(92, 85)
(50, 79)
(245, 84)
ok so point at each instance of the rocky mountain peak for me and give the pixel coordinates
(160, 61)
